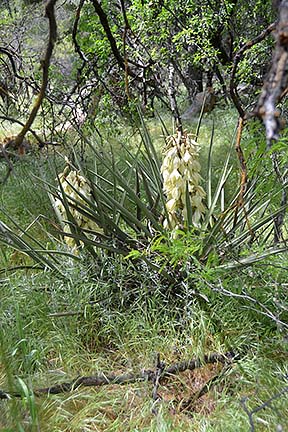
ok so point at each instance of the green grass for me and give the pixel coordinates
(121, 316)
(44, 350)
(23, 197)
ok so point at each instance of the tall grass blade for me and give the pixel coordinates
(188, 208)
(209, 169)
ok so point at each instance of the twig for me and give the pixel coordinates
(279, 218)
(172, 97)
(270, 400)
(114, 48)
(9, 165)
(145, 375)
(74, 33)
(249, 414)
(20, 267)
(262, 406)
(45, 63)
(275, 85)
(13, 120)
(238, 56)
(239, 151)
(63, 314)
(188, 404)
(78, 50)
(124, 38)
(158, 373)
(243, 177)
(10, 54)
(124, 62)
(265, 311)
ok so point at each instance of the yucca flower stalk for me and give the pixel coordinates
(181, 178)
(73, 184)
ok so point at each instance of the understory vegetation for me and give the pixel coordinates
(114, 309)
(143, 216)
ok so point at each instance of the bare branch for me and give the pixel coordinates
(45, 63)
(122, 62)
(106, 27)
(145, 375)
(13, 120)
(259, 408)
(265, 311)
(187, 404)
(74, 32)
(9, 165)
(275, 84)
(172, 97)
(238, 57)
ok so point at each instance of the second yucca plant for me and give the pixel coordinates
(181, 182)
(74, 185)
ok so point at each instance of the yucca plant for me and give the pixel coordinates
(120, 205)
(135, 199)
(72, 184)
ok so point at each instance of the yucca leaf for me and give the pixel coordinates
(111, 227)
(70, 217)
(132, 168)
(11, 239)
(200, 118)
(269, 219)
(126, 215)
(148, 143)
(94, 243)
(188, 207)
(21, 267)
(134, 199)
(153, 167)
(209, 170)
(252, 259)
(24, 232)
(222, 181)
(148, 192)
(154, 163)
(138, 193)
(90, 211)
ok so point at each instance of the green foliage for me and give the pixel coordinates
(123, 209)
(193, 38)
(127, 203)
(24, 228)
(135, 289)
(105, 334)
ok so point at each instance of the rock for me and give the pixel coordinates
(206, 99)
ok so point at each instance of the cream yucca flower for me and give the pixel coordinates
(181, 172)
(71, 184)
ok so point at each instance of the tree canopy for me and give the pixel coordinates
(120, 53)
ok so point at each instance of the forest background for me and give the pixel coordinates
(143, 223)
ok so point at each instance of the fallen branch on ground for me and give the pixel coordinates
(160, 366)
(145, 375)
(186, 405)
